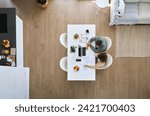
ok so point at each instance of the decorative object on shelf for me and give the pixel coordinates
(2, 57)
(13, 51)
(101, 4)
(13, 64)
(6, 43)
(11, 60)
(5, 51)
(42, 3)
(7, 54)
(12, 57)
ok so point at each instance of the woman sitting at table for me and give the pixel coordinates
(100, 44)
(101, 60)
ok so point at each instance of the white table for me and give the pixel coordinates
(84, 73)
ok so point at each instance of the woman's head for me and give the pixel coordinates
(41, 1)
(102, 57)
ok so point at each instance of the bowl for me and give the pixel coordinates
(76, 36)
(76, 68)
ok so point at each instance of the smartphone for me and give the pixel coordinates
(79, 51)
(83, 51)
(78, 60)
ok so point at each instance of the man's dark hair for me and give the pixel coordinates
(99, 42)
(102, 57)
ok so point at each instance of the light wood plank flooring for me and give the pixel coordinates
(126, 78)
(133, 41)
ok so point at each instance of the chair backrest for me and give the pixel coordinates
(109, 42)
(63, 63)
(108, 63)
(63, 39)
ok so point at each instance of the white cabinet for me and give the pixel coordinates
(14, 81)
(19, 41)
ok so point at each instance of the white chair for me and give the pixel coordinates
(63, 63)
(108, 63)
(109, 42)
(102, 3)
(63, 39)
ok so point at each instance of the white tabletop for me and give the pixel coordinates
(84, 73)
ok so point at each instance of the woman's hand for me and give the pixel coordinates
(86, 65)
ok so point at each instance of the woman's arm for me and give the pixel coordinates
(91, 66)
(92, 48)
(98, 65)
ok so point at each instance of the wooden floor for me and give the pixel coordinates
(126, 78)
(137, 46)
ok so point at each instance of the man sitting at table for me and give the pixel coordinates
(100, 44)
(101, 60)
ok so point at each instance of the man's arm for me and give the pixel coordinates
(91, 40)
(92, 48)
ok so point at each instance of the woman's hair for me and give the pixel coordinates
(102, 57)
(41, 1)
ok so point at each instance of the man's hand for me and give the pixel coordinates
(88, 44)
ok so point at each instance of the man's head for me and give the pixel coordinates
(98, 43)
(102, 57)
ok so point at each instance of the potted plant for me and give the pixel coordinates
(42, 3)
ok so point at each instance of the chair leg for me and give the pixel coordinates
(100, 9)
